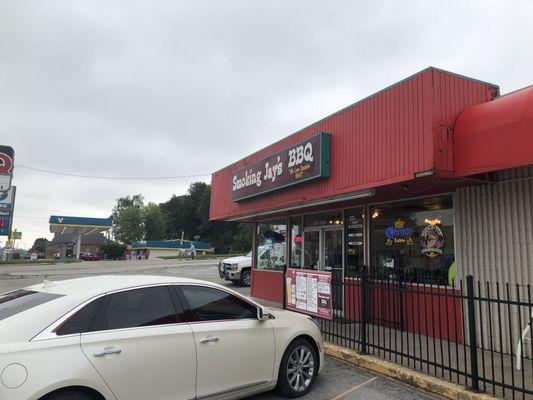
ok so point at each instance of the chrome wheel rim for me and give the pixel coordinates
(300, 368)
(246, 279)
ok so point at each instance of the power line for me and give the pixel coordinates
(44, 171)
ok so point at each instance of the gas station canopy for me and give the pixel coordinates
(79, 226)
(62, 224)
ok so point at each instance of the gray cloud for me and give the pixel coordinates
(144, 88)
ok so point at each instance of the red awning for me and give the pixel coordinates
(495, 135)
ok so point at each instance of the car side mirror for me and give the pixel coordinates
(262, 315)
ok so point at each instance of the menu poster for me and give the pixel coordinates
(309, 292)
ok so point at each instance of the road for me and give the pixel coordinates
(339, 381)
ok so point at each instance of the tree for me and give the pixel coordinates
(190, 213)
(112, 250)
(155, 223)
(40, 245)
(130, 224)
(187, 214)
(135, 201)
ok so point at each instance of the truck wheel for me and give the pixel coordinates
(246, 278)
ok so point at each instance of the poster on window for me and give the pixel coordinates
(309, 292)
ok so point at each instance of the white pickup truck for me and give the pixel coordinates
(239, 269)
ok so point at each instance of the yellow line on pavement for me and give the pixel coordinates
(340, 396)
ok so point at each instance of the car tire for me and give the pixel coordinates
(298, 369)
(246, 278)
(69, 395)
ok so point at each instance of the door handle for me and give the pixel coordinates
(107, 352)
(209, 340)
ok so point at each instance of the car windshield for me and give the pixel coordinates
(21, 300)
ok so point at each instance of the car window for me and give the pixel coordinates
(80, 321)
(209, 304)
(21, 300)
(136, 308)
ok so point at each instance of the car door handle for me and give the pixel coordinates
(107, 352)
(209, 340)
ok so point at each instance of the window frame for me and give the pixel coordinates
(105, 304)
(49, 332)
(190, 315)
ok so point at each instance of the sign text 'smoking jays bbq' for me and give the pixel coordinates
(301, 162)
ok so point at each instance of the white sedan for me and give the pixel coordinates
(150, 338)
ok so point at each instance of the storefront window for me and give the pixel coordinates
(270, 246)
(413, 241)
(296, 242)
(355, 246)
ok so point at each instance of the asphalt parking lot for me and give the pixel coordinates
(342, 381)
(338, 380)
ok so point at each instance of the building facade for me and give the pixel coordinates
(426, 181)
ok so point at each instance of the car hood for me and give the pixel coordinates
(236, 260)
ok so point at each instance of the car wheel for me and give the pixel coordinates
(246, 277)
(68, 395)
(298, 369)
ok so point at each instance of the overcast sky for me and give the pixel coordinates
(157, 88)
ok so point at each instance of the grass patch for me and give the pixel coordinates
(201, 257)
(41, 261)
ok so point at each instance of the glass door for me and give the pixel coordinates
(333, 262)
(312, 254)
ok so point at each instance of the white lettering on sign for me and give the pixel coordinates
(271, 172)
(300, 154)
(250, 178)
(60, 219)
(281, 169)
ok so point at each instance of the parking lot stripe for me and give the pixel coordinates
(340, 396)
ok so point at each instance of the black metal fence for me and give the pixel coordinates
(474, 334)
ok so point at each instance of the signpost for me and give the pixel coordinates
(302, 162)
(309, 292)
(7, 162)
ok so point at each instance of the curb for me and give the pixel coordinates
(419, 380)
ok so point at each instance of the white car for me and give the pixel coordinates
(150, 338)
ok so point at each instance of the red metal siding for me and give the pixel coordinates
(267, 285)
(421, 311)
(452, 94)
(383, 139)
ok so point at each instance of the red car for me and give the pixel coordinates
(89, 257)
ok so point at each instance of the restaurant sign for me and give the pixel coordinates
(302, 162)
(309, 292)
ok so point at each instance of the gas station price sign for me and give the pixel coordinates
(7, 202)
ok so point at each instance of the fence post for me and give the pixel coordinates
(472, 331)
(362, 303)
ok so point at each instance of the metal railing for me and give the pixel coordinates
(474, 334)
